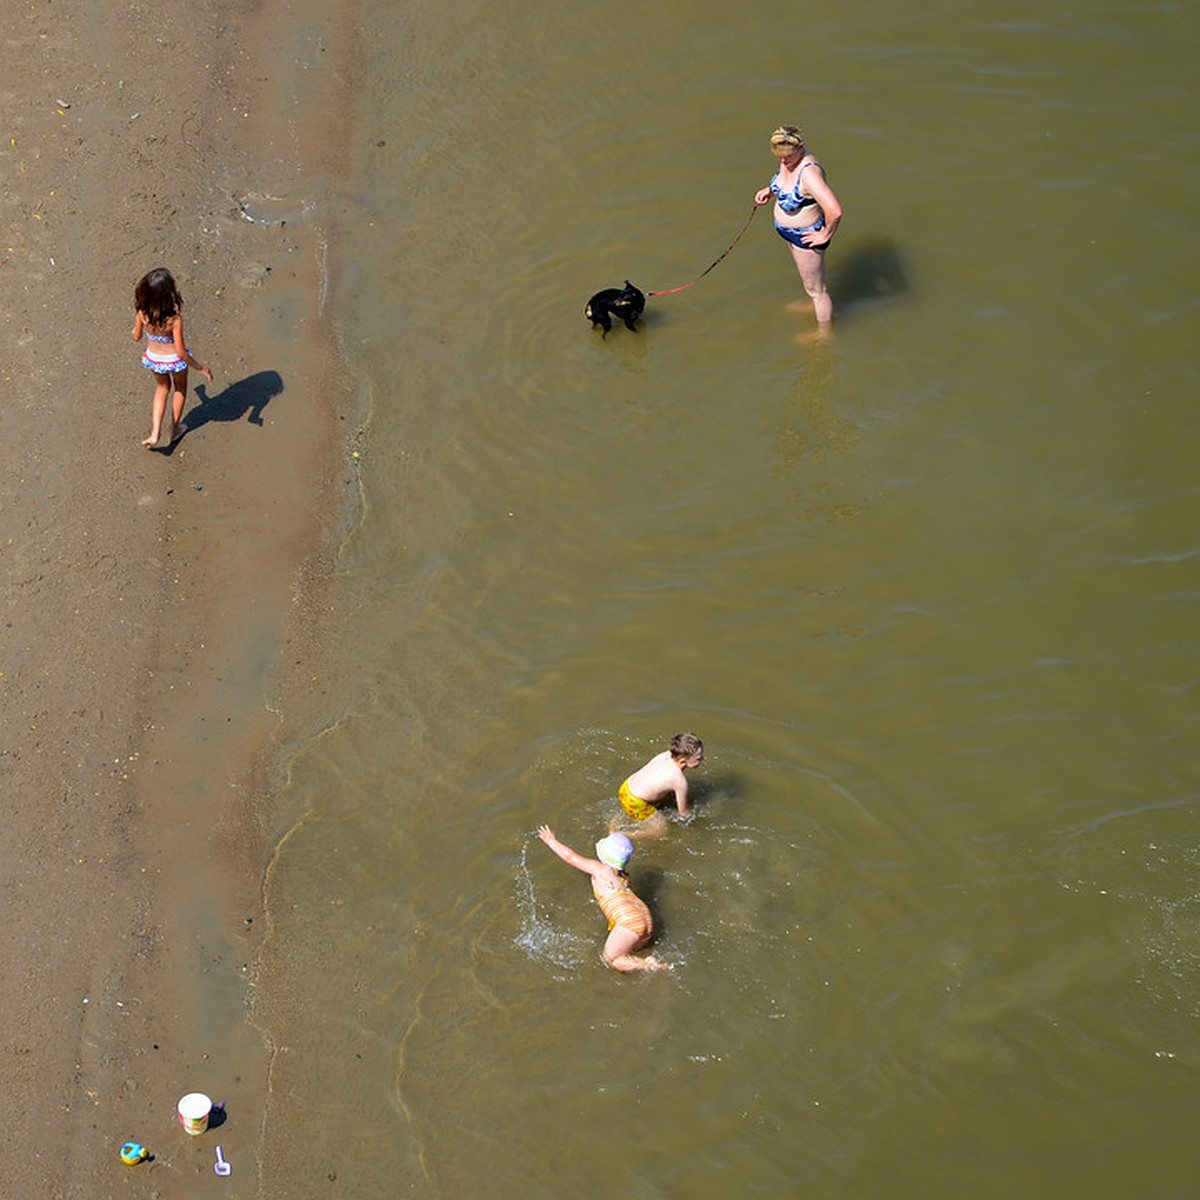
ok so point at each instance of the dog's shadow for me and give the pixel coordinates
(243, 398)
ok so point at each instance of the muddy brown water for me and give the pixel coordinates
(927, 591)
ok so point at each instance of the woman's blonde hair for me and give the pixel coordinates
(786, 137)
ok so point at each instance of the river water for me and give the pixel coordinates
(927, 590)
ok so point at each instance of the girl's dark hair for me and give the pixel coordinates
(157, 296)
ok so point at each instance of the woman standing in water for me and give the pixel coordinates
(807, 213)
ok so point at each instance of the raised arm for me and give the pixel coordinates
(589, 866)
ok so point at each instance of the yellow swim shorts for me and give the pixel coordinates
(635, 806)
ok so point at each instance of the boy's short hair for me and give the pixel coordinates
(686, 745)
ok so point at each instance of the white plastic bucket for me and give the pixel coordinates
(193, 1112)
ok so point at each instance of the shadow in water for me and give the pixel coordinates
(243, 398)
(703, 793)
(872, 270)
(648, 884)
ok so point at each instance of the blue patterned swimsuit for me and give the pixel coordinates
(793, 202)
(160, 364)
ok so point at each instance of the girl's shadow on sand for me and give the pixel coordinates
(244, 398)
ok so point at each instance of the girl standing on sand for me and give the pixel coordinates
(158, 305)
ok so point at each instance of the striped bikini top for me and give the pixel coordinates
(159, 337)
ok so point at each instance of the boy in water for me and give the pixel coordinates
(629, 921)
(661, 777)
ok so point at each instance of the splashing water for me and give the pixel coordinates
(537, 937)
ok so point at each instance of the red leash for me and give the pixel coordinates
(685, 286)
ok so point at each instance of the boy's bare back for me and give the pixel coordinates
(662, 777)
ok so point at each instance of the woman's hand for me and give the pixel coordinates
(762, 195)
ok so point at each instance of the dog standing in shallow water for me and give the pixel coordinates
(626, 304)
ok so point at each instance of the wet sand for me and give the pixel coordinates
(157, 606)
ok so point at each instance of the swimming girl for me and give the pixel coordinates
(158, 305)
(807, 213)
(629, 921)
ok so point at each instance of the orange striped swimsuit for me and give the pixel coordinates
(623, 908)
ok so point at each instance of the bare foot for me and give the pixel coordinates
(814, 337)
(151, 443)
(180, 430)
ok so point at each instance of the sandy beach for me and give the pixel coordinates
(148, 596)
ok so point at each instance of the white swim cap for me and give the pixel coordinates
(614, 851)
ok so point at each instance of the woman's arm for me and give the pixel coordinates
(831, 207)
(589, 866)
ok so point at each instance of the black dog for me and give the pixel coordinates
(625, 304)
